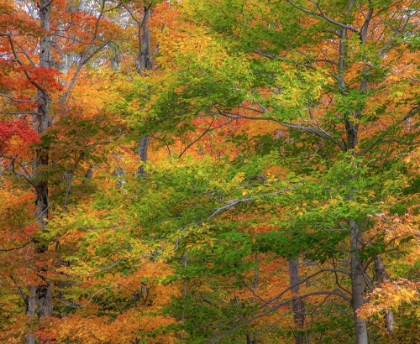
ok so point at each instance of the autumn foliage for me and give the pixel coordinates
(205, 171)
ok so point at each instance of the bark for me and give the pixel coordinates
(381, 277)
(30, 311)
(43, 119)
(356, 234)
(298, 305)
(144, 58)
(144, 64)
(89, 172)
(249, 339)
(41, 296)
(357, 282)
(143, 146)
(44, 300)
(115, 58)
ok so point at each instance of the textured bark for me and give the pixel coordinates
(30, 311)
(143, 146)
(144, 64)
(30, 339)
(381, 277)
(144, 58)
(249, 340)
(41, 296)
(44, 300)
(42, 119)
(356, 234)
(298, 306)
(115, 60)
(357, 282)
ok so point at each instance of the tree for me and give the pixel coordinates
(36, 39)
(332, 87)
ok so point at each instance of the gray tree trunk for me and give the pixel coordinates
(42, 119)
(143, 64)
(381, 276)
(44, 300)
(357, 282)
(30, 311)
(144, 58)
(143, 146)
(41, 296)
(298, 305)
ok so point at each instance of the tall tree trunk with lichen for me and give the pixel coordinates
(40, 296)
(144, 64)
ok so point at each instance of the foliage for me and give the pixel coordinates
(282, 133)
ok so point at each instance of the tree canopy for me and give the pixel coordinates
(203, 171)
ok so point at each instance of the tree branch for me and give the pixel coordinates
(381, 138)
(17, 100)
(272, 309)
(322, 15)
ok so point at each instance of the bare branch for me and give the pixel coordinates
(277, 306)
(234, 202)
(19, 113)
(89, 55)
(323, 15)
(12, 46)
(22, 294)
(318, 132)
(17, 100)
(10, 165)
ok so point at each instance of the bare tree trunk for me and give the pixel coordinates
(44, 300)
(143, 146)
(298, 306)
(43, 118)
(41, 295)
(381, 276)
(144, 58)
(249, 339)
(143, 64)
(357, 282)
(30, 311)
(356, 234)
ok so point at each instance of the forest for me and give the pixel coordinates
(209, 171)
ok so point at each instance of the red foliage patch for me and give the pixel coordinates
(19, 129)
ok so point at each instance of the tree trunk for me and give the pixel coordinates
(143, 64)
(30, 311)
(144, 58)
(44, 300)
(381, 276)
(143, 146)
(357, 282)
(43, 118)
(41, 296)
(298, 306)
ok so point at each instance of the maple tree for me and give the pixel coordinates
(43, 53)
(209, 171)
